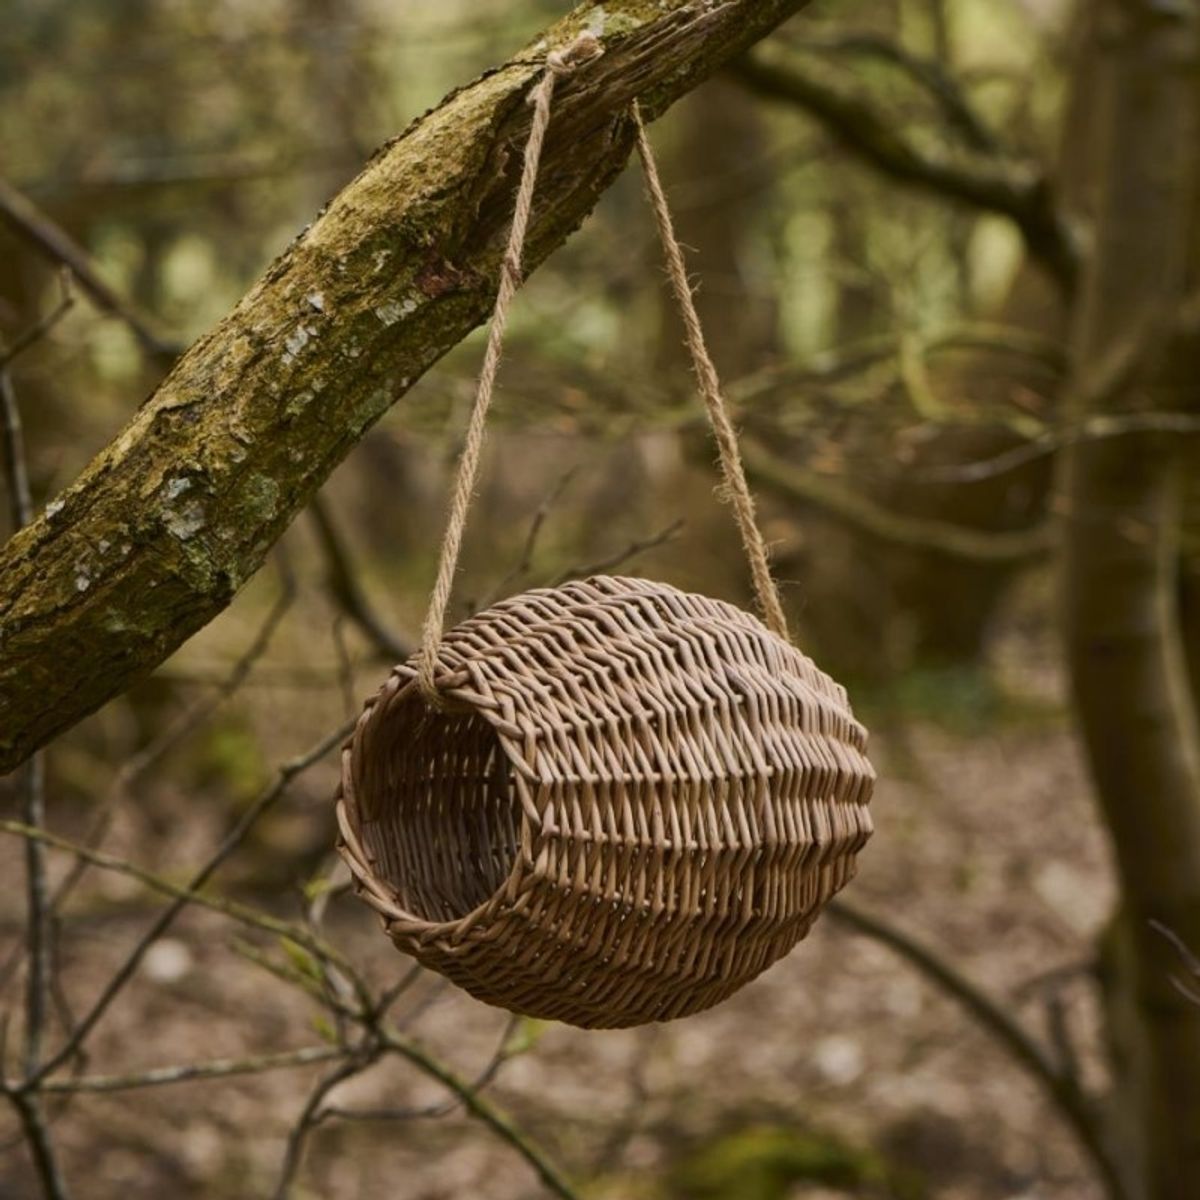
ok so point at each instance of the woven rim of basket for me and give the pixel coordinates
(401, 688)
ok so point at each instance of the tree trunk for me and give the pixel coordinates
(1122, 504)
(166, 524)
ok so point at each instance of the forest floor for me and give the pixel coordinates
(839, 1072)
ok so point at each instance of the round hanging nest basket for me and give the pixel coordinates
(633, 801)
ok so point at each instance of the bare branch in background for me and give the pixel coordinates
(232, 840)
(524, 563)
(242, 913)
(43, 326)
(502, 1054)
(1061, 1089)
(622, 556)
(1091, 429)
(353, 1064)
(37, 1137)
(31, 789)
(30, 224)
(1017, 191)
(486, 1112)
(353, 1005)
(16, 466)
(346, 590)
(961, 116)
(921, 533)
(219, 1068)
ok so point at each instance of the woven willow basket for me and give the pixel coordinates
(635, 801)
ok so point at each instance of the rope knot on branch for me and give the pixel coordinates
(584, 48)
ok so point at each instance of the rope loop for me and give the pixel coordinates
(561, 63)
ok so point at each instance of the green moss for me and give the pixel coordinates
(766, 1162)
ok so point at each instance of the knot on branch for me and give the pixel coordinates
(584, 48)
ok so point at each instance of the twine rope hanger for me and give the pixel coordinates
(735, 489)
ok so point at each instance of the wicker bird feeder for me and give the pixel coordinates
(633, 801)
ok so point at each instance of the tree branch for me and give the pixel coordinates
(484, 1111)
(928, 74)
(184, 896)
(346, 590)
(32, 225)
(981, 181)
(218, 1068)
(919, 533)
(1059, 1087)
(37, 1137)
(169, 521)
(353, 1064)
(32, 790)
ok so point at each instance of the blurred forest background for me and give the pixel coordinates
(888, 209)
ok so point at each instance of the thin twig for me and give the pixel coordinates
(408, 1019)
(346, 590)
(486, 1112)
(230, 843)
(500, 1056)
(234, 909)
(928, 74)
(862, 354)
(921, 533)
(287, 972)
(1059, 1029)
(1019, 191)
(1190, 961)
(392, 994)
(345, 674)
(20, 496)
(37, 1137)
(183, 726)
(54, 243)
(524, 563)
(1094, 429)
(40, 328)
(307, 1121)
(32, 776)
(1053, 978)
(33, 812)
(32, 786)
(621, 557)
(217, 1068)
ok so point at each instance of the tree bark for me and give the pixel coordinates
(167, 523)
(1121, 559)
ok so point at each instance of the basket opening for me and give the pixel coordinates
(444, 819)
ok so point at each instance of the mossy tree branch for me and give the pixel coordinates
(167, 523)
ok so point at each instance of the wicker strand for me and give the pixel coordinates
(736, 490)
(562, 62)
